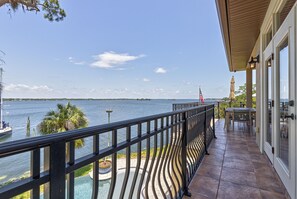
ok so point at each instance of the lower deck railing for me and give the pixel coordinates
(148, 157)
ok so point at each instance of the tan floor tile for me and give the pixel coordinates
(205, 186)
(270, 195)
(196, 196)
(210, 171)
(262, 169)
(212, 160)
(238, 164)
(239, 177)
(228, 190)
(259, 158)
(238, 156)
(219, 146)
(214, 151)
(269, 184)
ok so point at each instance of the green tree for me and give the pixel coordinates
(67, 117)
(241, 95)
(51, 8)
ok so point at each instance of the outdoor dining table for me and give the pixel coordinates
(229, 114)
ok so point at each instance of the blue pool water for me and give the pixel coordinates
(84, 186)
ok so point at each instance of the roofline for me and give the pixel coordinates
(224, 24)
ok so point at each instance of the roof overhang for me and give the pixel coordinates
(240, 23)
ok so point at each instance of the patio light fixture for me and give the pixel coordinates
(254, 60)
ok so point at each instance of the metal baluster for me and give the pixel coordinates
(165, 157)
(191, 158)
(70, 177)
(46, 164)
(95, 167)
(114, 165)
(205, 129)
(158, 167)
(169, 159)
(190, 151)
(128, 159)
(152, 162)
(137, 164)
(197, 150)
(184, 154)
(148, 143)
(178, 154)
(175, 154)
(35, 171)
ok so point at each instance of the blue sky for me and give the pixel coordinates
(116, 49)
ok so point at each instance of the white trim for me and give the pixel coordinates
(287, 174)
(271, 19)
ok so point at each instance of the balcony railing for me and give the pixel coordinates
(169, 148)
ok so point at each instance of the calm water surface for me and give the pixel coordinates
(17, 112)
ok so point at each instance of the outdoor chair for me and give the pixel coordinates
(241, 118)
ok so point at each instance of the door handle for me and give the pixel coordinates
(292, 116)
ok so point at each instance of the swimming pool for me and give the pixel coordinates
(84, 185)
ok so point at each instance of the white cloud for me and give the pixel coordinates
(73, 61)
(80, 63)
(146, 80)
(160, 70)
(24, 87)
(158, 90)
(111, 59)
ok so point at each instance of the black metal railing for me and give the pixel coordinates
(169, 148)
(218, 110)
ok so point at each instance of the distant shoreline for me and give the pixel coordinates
(56, 99)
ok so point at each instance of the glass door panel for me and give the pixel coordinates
(269, 103)
(284, 100)
(268, 96)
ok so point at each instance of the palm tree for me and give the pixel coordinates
(67, 117)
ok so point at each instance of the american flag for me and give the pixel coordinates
(201, 99)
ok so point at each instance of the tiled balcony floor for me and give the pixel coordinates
(235, 169)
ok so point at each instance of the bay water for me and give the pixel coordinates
(17, 113)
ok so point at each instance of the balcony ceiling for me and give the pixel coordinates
(240, 23)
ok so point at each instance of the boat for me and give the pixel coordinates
(5, 129)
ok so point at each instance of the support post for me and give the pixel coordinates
(249, 88)
(205, 129)
(70, 160)
(218, 110)
(184, 155)
(35, 171)
(214, 124)
(57, 170)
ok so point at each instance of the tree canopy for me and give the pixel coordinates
(67, 117)
(241, 95)
(51, 8)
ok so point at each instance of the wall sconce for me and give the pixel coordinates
(269, 63)
(254, 61)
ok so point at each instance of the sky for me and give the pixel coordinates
(116, 49)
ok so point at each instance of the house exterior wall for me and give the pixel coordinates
(271, 20)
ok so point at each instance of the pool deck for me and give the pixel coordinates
(235, 169)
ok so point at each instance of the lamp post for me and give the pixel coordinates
(108, 111)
